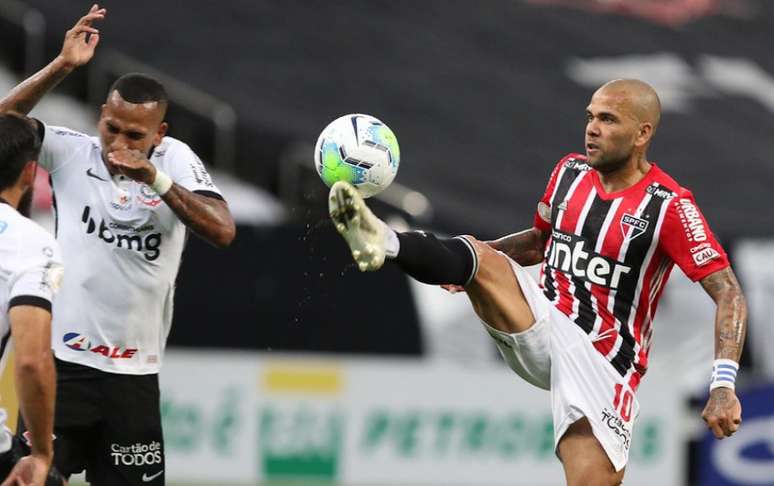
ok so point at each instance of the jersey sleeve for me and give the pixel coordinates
(687, 239)
(38, 274)
(186, 169)
(59, 145)
(542, 220)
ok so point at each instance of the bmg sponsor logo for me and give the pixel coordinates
(138, 454)
(149, 245)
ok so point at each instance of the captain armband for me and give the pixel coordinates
(724, 374)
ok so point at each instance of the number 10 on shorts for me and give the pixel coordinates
(624, 401)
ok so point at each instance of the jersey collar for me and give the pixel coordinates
(642, 183)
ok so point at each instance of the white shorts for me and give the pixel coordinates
(555, 354)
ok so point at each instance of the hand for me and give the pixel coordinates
(133, 164)
(76, 50)
(723, 412)
(29, 471)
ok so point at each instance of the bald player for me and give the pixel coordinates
(608, 230)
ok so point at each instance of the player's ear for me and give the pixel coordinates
(163, 126)
(27, 175)
(645, 134)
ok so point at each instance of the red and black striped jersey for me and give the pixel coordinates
(609, 255)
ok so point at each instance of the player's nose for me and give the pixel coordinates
(118, 143)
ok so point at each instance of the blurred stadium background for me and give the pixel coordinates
(286, 365)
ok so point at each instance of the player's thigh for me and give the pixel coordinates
(130, 449)
(495, 293)
(584, 460)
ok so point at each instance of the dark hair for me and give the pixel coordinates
(139, 88)
(19, 143)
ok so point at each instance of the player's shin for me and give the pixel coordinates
(434, 260)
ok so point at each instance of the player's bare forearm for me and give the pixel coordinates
(23, 98)
(35, 375)
(208, 217)
(723, 412)
(525, 247)
(35, 387)
(731, 314)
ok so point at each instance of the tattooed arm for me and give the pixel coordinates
(525, 247)
(723, 412)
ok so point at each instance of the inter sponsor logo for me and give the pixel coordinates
(79, 342)
(691, 220)
(568, 253)
(632, 226)
(149, 245)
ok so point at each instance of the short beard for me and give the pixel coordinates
(25, 203)
(610, 166)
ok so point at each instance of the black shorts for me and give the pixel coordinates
(108, 424)
(9, 458)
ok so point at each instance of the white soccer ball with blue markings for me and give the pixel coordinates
(358, 149)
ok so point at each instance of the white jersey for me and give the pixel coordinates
(122, 245)
(30, 272)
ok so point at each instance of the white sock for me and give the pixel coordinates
(391, 242)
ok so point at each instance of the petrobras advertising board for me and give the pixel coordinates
(238, 418)
(746, 458)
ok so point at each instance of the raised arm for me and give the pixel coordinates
(525, 247)
(723, 412)
(77, 49)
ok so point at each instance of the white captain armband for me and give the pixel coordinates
(724, 374)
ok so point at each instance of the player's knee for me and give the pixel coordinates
(490, 262)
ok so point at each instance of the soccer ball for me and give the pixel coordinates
(358, 149)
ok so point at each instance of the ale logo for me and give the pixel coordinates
(301, 431)
(76, 341)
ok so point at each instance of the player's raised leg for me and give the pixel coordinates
(585, 461)
(487, 274)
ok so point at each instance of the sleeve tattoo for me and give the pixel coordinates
(731, 314)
